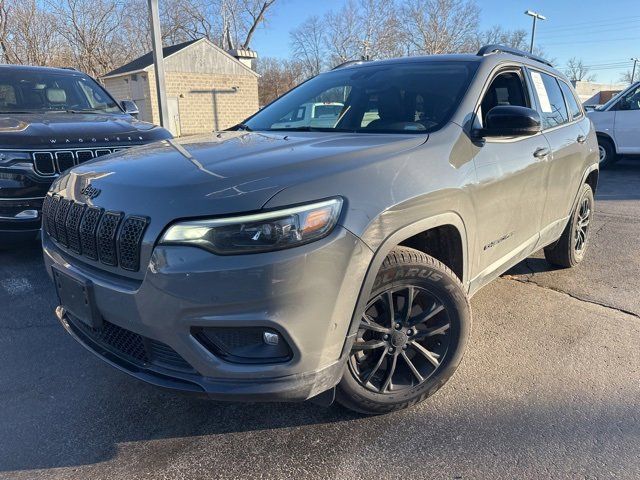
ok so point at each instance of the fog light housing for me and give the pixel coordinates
(244, 344)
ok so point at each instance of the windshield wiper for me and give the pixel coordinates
(308, 128)
(242, 126)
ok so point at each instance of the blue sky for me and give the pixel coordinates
(599, 32)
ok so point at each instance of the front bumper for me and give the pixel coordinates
(307, 294)
(20, 219)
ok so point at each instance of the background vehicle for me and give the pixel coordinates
(319, 114)
(617, 124)
(272, 263)
(51, 120)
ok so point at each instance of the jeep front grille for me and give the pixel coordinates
(56, 161)
(109, 237)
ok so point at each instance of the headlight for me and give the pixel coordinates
(260, 232)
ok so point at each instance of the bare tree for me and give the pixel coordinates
(277, 77)
(308, 45)
(498, 35)
(28, 34)
(577, 71)
(625, 77)
(439, 26)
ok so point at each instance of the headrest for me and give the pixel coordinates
(56, 95)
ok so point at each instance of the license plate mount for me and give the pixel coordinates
(76, 297)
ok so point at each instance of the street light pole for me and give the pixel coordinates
(158, 61)
(633, 72)
(536, 16)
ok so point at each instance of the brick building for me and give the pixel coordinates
(207, 88)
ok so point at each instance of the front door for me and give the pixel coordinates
(510, 193)
(627, 123)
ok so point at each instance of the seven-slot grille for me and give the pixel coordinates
(57, 161)
(110, 237)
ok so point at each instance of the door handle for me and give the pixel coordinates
(541, 152)
(581, 139)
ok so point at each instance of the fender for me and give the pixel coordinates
(591, 168)
(447, 218)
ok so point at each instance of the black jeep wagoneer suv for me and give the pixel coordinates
(50, 120)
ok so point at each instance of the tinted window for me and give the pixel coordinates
(44, 91)
(631, 100)
(550, 100)
(505, 89)
(574, 108)
(393, 98)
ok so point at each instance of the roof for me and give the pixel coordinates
(146, 60)
(35, 68)
(454, 57)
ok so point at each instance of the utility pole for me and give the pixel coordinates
(536, 16)
(158, 61)
(633, 72)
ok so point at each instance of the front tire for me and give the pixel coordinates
(607, 152)
(412, 337)
(570, 249)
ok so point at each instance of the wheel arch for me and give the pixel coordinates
(608, 137)
(447, 224)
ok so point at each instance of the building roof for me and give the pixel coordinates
(146, 60)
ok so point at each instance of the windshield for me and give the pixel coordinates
(391, 98)
(40, 91)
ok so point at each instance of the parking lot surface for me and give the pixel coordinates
(550, 388)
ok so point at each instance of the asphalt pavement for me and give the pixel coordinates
(549, 388)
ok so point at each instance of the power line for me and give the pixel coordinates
(590, 32)
(626, 39)
(583, 25)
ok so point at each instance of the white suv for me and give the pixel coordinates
(617, 124)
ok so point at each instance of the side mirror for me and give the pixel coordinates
(130, 107)
(511, 121)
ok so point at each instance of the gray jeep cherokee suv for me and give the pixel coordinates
(279, 261)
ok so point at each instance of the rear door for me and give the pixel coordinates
(565, 165)
(509, 197)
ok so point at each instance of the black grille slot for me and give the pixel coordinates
(43, 163)
(61, 219)
(84, 155)
(73, 226)
(64, 160)
(106, 238)
(51, 215)
(46, 206)
(102, 152)
(88, 227)
(134, 347)
(129, 242)
(164, 355)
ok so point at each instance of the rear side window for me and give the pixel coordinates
(574, 107)
(550, 100)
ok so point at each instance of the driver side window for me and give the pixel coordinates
(631, 101)
(505, 89)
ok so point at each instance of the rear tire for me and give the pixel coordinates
(607, 152)
(570, 249)
(399, 359)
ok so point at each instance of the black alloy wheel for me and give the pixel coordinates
(404, 335)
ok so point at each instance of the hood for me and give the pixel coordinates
(61, 130)
(222, 173)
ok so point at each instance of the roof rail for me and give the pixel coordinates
(487, 49)
(69, 68)
(348, 63)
